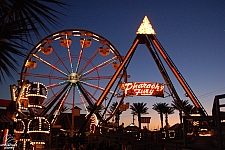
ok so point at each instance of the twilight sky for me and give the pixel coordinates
(192, 33)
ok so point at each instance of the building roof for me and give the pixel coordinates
(4, 102)
(3, 112)
(131, 127)
(5, 119)
(76, 107)
(65, 120)
(5, 122)
(176, 126)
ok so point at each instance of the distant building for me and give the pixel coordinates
(65, 121)
(131, 128)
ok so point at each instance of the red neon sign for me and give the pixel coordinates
(143, 89)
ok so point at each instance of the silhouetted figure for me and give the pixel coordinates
(66, 146)
(129, 147)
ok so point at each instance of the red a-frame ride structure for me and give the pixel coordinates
(146, 35)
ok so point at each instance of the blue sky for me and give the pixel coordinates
(192, 33)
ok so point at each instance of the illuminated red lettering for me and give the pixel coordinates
(128, 86)
(144, 89)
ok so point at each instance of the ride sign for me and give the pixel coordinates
(143, 89)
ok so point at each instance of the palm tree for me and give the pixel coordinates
(184, 104)
(139, 109)
(160, 108)
(96, 111)
(118, 112)
(21, 21)
(167, 111)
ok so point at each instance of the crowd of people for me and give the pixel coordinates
(73, 146)
(104, 145)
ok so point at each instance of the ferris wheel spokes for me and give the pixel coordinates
(79, 59)
(107, 62)
(97, 87)
(102, 106)
(61, 61)
(88, 99)
(56, 97)
(89, 61)
(68, 43)
(44, 76)
(60, 105)
(83, 100)
(96, 78)
(49, 64)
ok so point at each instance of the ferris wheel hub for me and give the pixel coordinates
(73, 77)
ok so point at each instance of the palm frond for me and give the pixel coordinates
(20, 22)
(139, 108)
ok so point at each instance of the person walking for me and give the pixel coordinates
(129, 147)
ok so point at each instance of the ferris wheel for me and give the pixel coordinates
(74, 66)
